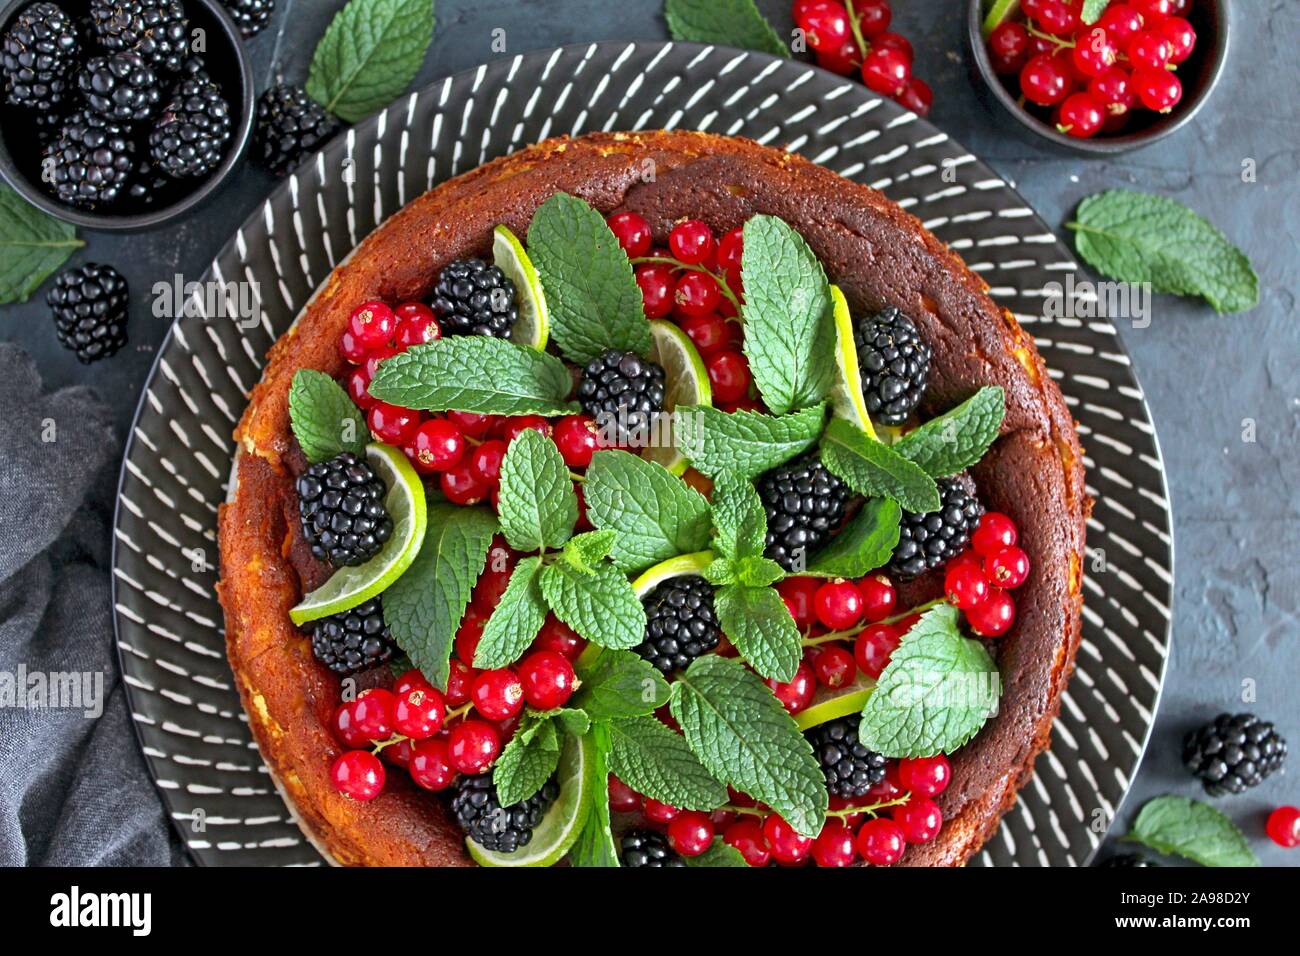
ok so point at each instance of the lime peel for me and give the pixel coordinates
(847, 393)
(686, 381)
(533, 326)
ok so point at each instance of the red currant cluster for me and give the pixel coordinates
(435, 736)
(854, 37)
(1091, 78)
(696, 283)
(978, 579)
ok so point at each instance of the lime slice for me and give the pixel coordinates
(533, 325)
(563, 822)
(349, 587)
(676, 567)
(999, 13)
(687, 383)
(828, 704)
(846, 396)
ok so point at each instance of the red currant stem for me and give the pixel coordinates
(691, 267)
(856, 27)
(871, 810)
(1050, 37)
(577, 477)
(854, 632)
(751, 811)
(381, 744)
(458, 712)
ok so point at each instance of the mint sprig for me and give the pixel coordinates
(1193, 830)
(744, 443)
(33, 245)
(958, 438)
(516, 619)
(866, 543)
(536, 503)
(757, 621)
(598, 603)
(325, 420)
(528, 760)
(619, 684)
(874, 469)
(652, 760)
(735, 23)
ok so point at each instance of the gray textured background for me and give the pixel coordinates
(1207, 378)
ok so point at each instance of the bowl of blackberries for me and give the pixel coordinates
(121, 114)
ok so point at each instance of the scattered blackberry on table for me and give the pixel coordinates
(804, 504)
(680, 623)
(120, 86)
(341, 505)
(624, 393)
(250, 15)
(895, 365)
(90, 309)
(491, 826)
(851, 769)
(647, 848)
(1127, 861)
(191, 133)
(155, 29)
(1233, 753)
(353, 640)
(37, 55)
(89, 160)
(474, 298)
(290, 124)
(928, 540)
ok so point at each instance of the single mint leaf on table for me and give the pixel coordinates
(958, 438)
(526, 763)
(536, 502)
(876, 470)
(656, 514)
(475, 373)
(864, 544)
(735, 23)
(585, 551)
(744, 443)
(935, 694)
(594, 301)
(516, 619)
(757, 621)
(719, 853)
(1138, 237)
(595, 844)
(619, 684)
(653, 760)
(369, 54)
(1193, 830)
(745, 738)
(423, 607)
(33, 244)
(738, 517)
(789, 333)
(599, 604)
(325, 420)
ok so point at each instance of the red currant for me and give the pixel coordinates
(485, 461)
(1009, 47)
(1054, 16)
(729, 375)
(1094, 53)
(1114, 89)
(1044, 81)
(632, 232)
(409, 680)
(548, 679)
(373, 324)
(498, 694)
(873, 18)
(460, 679)
(787, 844)
(893, 41)
(796, 694)
(1153, 11)
(657, 286)
(965, 586)
(835, 845)
(878, 597)
(846, 59)
(838, 604)
(874, 647)
(436, 446)
(472, 745)
(518, 424)
(471, 424)
(709, 333)
(416, 325)
(469, 633)
(881, 842)
(622, 798)
(462, 486)
(730, 248)
(1149, 50)
(375, 358)
(418, 713)
(690, 832)
(1121, 22)
(555, 635)
(746, 835)
(494, 580)
(352, 348)
(826, 24)
(430, 765)
(1181, 36)
(1283, 827)
(398, 754)
(575, 436)
(1081, 115)
(696, 293)
(358, 774)
(358, 388)
(917, 96)
(925, 776)
(657, 812)
(1159, 90)
(886, 71)
(372, 714)
(919, 819)
(345, 728)
(692, 242)
(994, 532)
(392, 424)
(994, 616)
(798, 594)
(834, 666)
(1007, 568)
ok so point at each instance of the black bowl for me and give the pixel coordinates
(1199, 74)
(226, 63)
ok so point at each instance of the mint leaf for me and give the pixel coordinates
(32, 245)
(756, 572)
(958, 438)
(719, 571)
(745, 738)
(656, 514)
(527, 762)
(934, 695)
(537, 505)
(369, 54)
(573, 721)
(325, 420)
(515, 621)
(599, 604)
(424, 606)
(652, 760)
(874, 469)
(744, 443)
(735, 23)
(585, 551)
(595, 844)
(757, 621)
(738, 516)
(789, 334)
(867, 542)
(1092, 10)
(475, 373)
(719, 853)
(594, 301)
(1191, 829)
(619, 684)
(1138, 237)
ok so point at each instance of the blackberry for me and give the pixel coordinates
(680, 623)
(250, 15)
(647, 848)
(474, 298)
(147, 186)
(624, 393)
(851, 769)
(804, 504)
(341, 505)
(89, 160)
(497, 828)
(290, 124)
(37, 55)
(188, 137)
(895, 364)
(1233, 753)
(155, 29)
(90, 307)
(1127, 861)
(120, 86)
(928, 540)
(354, 640)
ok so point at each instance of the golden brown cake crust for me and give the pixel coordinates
(874, 250)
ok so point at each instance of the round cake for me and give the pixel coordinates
(876, 253)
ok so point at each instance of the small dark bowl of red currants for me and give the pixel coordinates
(1137, 73)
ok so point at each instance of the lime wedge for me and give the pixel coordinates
(687, 383)
(559, 829)
(676, 567)
(533, 325)
(349, 587)
(999, 13)
(846, 396)
(830, 704)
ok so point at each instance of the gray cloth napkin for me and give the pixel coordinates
(74, 789)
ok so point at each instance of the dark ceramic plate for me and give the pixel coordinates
(169, 624)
